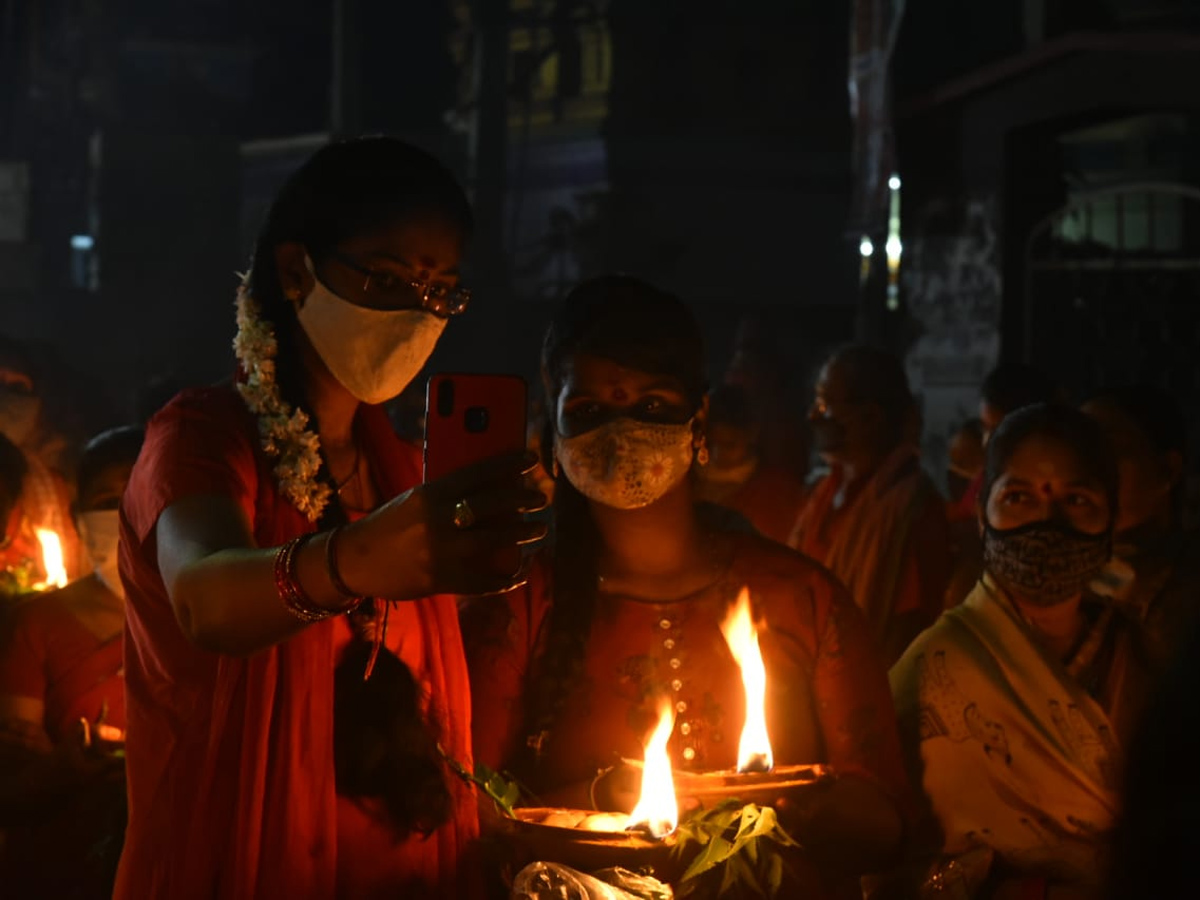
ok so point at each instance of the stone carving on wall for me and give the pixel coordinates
(951, 276)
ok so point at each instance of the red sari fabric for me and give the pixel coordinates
(47, 655)
(230, 760)
(828, 699)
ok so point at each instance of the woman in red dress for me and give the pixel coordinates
(568, 674)
(274, 750)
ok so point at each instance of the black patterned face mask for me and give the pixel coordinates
(1046, 562)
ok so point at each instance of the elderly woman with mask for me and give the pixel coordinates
(1014, 706)
(290, 692)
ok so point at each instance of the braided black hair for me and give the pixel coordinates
(383, 746)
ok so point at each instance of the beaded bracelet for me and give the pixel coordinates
(335, 576)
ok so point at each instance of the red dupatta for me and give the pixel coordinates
(230, 760)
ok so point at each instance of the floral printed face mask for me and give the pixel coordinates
(626, 464)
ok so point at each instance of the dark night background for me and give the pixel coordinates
(1050, 207)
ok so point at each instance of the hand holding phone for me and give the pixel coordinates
(472, 424)
(421, 543)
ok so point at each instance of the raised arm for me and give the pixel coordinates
(223, 590)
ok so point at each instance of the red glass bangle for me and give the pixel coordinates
(293, 595)
(290, 592)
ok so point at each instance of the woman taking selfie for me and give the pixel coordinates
(274, 748)
(626, 610)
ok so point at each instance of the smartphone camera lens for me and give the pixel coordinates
(476, 419)
(445, 398)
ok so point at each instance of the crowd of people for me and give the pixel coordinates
(266, 651)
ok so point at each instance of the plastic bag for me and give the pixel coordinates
(644, 887)
(552, 881)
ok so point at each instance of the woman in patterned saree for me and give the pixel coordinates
(1014, 704)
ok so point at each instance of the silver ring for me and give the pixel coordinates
(464, 516)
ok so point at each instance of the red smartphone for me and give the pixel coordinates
(470, 418)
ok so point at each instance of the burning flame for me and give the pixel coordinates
(754, 749)
(52, 560)
(657, 810)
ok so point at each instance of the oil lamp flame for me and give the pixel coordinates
(754, 749)
(52, 560)
(657, 810)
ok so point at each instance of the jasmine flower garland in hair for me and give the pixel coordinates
(283, 431)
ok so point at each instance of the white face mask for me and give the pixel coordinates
(100, 531)
(626, 464)
(373, 353)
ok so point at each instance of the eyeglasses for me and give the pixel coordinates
(439, 299)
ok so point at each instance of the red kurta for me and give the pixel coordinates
(231, 770)
(828, 699)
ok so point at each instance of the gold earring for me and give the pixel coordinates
(554, 468)
(702, 452)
